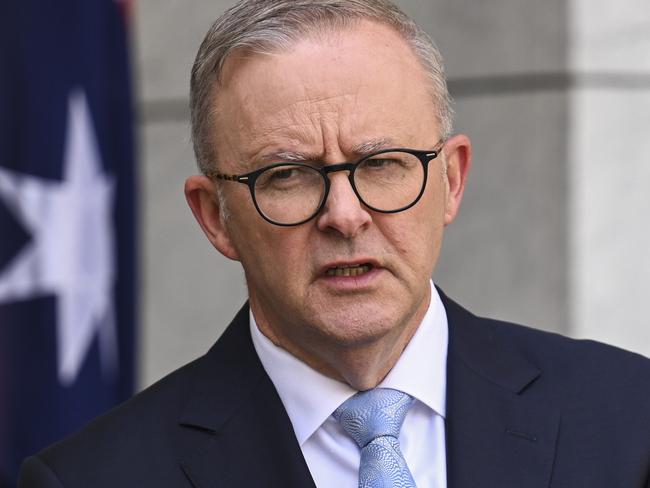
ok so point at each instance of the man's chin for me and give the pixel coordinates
(356, 328)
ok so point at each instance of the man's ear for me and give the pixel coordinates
(202, 199)
(458, 154)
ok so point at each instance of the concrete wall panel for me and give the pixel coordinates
(189, 291)
(610, 215)
(505, 256)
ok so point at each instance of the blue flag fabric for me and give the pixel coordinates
(67, 221)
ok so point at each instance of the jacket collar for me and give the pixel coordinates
(500, 427)
(479, 345)
(239, 443)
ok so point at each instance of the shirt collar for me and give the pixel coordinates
(310, 397)
(425, 354)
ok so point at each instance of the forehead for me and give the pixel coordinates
(333, 91)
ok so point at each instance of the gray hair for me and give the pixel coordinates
(267, 26)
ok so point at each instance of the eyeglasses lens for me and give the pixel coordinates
(289, 194)
(389, 181)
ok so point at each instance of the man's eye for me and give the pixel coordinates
(284, 177)
(377, 163)
(295, 173)
(380, 163)
(283, 174)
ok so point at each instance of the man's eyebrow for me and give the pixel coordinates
(372, 145)
(292, 156)
(361, 149)
(281, 156)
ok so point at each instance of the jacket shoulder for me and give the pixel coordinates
(557, 352)
(144, 441)
(587, 375)
(559, 360)
(108, 451)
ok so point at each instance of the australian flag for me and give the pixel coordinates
(67, 220)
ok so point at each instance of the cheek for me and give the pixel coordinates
(401, 239)
(418, 236)
(410, 236)
(276, 254)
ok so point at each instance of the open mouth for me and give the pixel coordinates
(352, 270)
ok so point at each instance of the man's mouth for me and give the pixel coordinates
(352, 270)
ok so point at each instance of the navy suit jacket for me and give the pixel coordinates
(525, 409)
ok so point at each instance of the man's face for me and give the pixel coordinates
(329, 99)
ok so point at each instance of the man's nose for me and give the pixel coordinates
(343, 212)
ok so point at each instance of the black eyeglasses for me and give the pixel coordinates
(387, 181)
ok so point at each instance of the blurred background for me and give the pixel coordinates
(553, 231)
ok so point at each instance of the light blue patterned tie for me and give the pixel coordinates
(373, 419)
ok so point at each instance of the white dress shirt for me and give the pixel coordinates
(310, 398)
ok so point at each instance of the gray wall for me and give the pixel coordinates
(609, 208)
(189, 291)
(555, 96)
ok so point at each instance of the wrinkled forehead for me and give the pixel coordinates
(382, 42)
(342, 80)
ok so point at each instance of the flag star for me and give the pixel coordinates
(71, 253)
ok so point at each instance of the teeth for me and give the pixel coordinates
(348, 270)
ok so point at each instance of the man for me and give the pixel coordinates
(323, 132)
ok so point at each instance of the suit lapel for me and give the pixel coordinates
(236, 418)
(237, 432)
(499, 434)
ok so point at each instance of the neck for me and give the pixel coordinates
(365, 367)
(361, 365)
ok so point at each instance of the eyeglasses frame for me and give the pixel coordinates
(248, 179)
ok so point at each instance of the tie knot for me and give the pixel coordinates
(373, 413)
